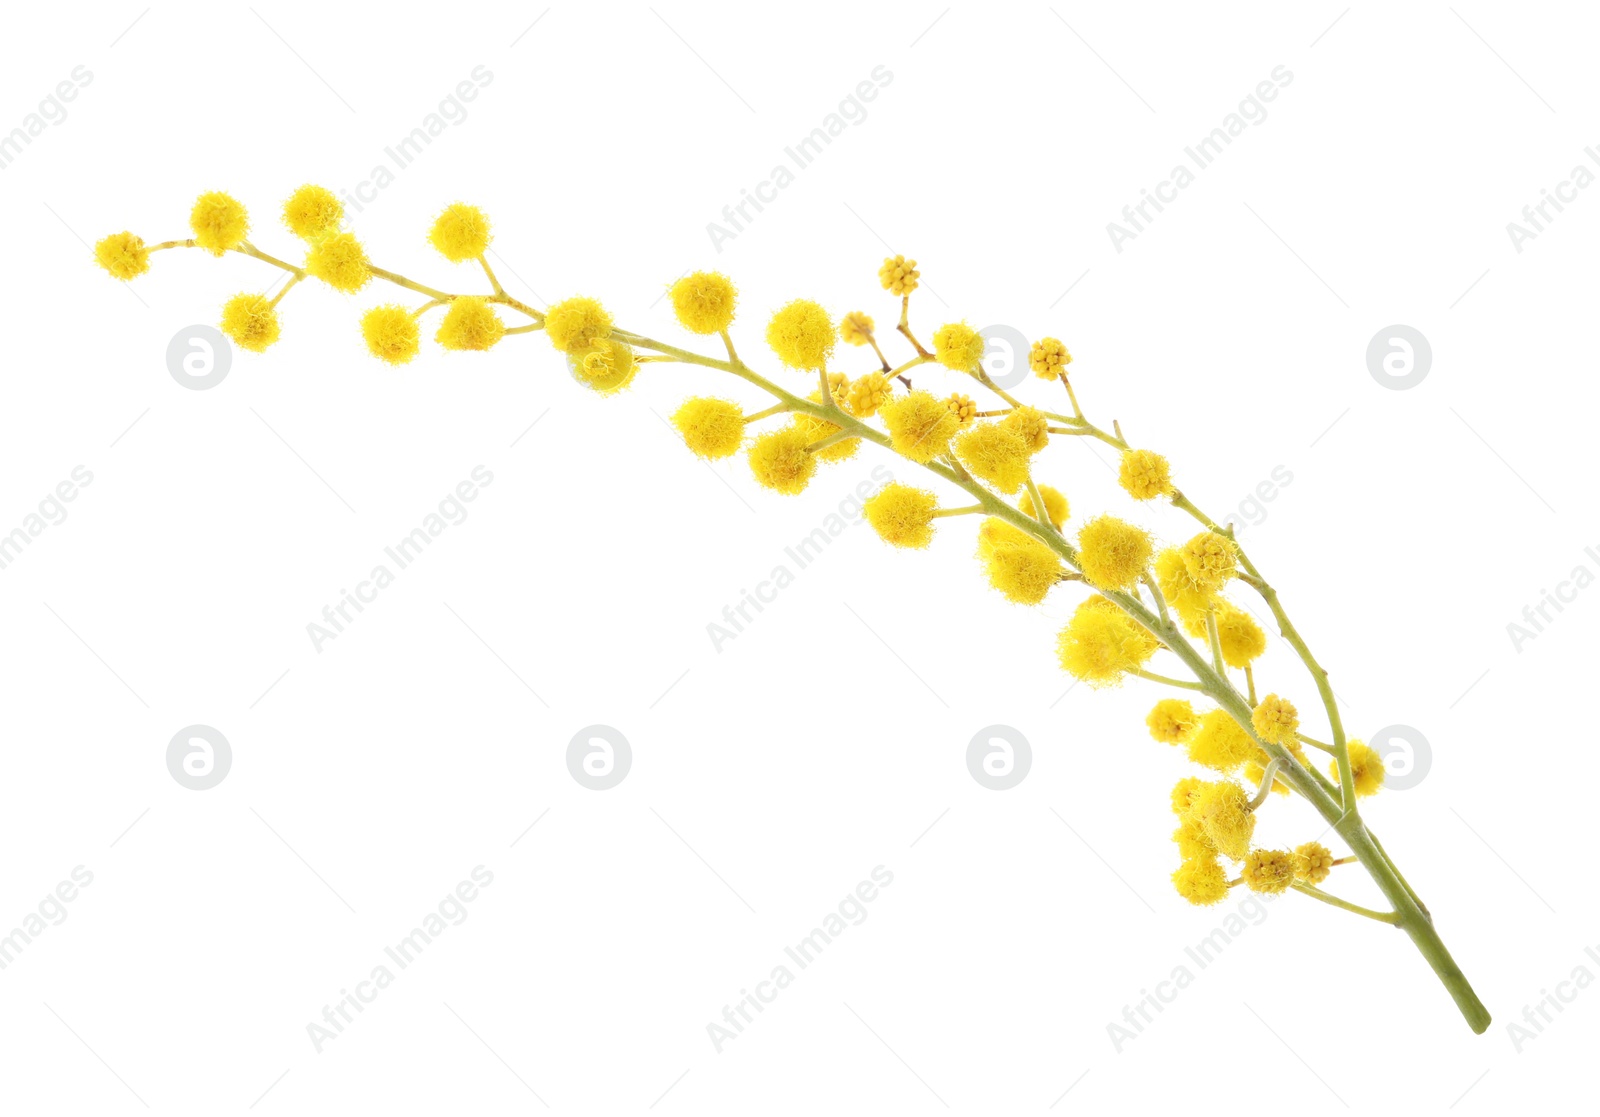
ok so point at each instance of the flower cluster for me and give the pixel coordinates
(1147, 603)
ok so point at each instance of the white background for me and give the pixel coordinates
(772, 776)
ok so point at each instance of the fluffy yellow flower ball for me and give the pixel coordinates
(1185, 793)
(855, 328)
(994, 453)
(780, 462)
(1312, 862)
(1201, 881)
(1186, 598)
(576, 323)
(219, 222)
(1211, 559)
(391, 333)
(1055, 506)
(802, 335)
(1276, 720)
(703, 301)
(816, 430)
(898, 275)
(339, 260)
(866, 394)
(963, 407)
(958, 346)
(1223, 809)
(1030, 423)
(920, 425)
(1268, 870)
(311, 211)
(1192, 840)
(461, 232)
(1366, 765)
(607, 365)
(1220, 742)
(1145, 474)
(902, 515)
(470, 323)
(1021, 567)
(1113, 553)
(711, 428)
(1171, 720)
(1048, 358)
(1101, 643)
(1241, 637)
(123, 255)
(251, 321)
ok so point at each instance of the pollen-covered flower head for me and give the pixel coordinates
(958, 346)
(1171, 720)
(856, 328)
(780, 462)
(711, 428)
(311, 211)
(902, 515)
(1145, 474)
(1276, 720)
(1223, 809)
(1048, 358)
(219, 222)
(1186, 598)
(920, 425)
(576, 323)
(1201, 881)
(839, 389)
(607, 365)
(123, 254)
(1313, 861)
(866, 394)
(251, 321)
(1020, 566)
(339, 260)
(816, 430)
(963, 407)
(1030, 423)
(1268, 870)
(802, 335)
(1211, 559)
(1055, 505)
(1185, 792)
(994, 453)
(461, 232)
(391, 333)
(1220, 742)
(703, 301)
(1101, 643)
(1192, 840)
(1241, 637)
(470, 323)
(1366, 766)
(898, 275)
(1113, 553)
